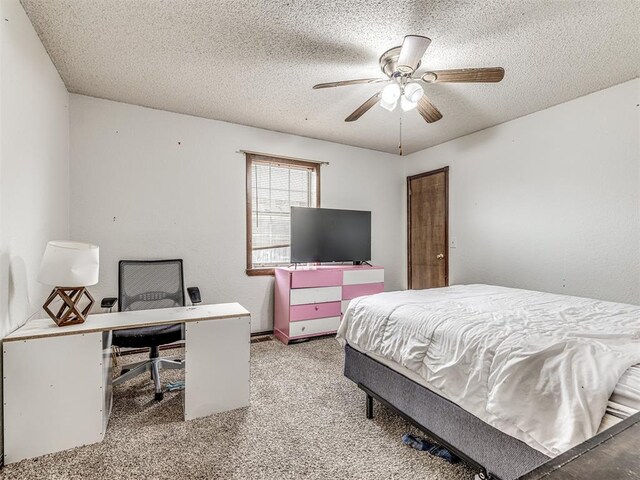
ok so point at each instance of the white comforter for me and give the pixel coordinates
(538, 366)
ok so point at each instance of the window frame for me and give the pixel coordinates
(250, 159)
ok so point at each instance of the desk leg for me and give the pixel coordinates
(107, 378)
(217, 366)
(53, 394)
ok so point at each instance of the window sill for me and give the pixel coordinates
(259, 272)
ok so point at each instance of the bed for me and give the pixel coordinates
(506, 378)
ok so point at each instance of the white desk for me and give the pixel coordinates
(57, 380)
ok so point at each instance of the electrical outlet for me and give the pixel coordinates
(453, 242)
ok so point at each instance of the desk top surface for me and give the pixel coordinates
(102, 322)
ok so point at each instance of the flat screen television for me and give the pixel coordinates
(329, 235)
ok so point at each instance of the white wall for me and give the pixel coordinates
(153, 184)
(550, 201)
(34, 164)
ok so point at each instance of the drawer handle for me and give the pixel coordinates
(316, 307)
(303, 328)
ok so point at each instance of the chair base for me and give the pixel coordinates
(153, 365)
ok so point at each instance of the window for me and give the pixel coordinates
(274, 185)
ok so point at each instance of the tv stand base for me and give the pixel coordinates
(361, 262)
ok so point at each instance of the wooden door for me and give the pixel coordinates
(428, 218)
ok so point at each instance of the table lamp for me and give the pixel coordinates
(69, 267)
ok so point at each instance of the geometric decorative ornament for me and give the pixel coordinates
(71, 304)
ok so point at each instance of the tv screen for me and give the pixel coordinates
(328, 235)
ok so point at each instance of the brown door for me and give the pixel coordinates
(428, 218)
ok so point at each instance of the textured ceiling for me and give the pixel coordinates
(254, 63)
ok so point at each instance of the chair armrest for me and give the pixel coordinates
(194, 295)
(108, 302)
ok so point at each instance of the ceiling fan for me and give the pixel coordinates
(400, 64)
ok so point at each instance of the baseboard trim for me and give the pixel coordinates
(259, 334)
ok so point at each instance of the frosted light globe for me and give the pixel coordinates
(391, 93)
(406, 104)
(413, 92)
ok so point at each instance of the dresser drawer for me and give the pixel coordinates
(353, 291)
(366, 275)
(314, 327)
(315, 310)
(316, 278)
(304, 296)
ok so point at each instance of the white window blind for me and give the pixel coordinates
(275, 188)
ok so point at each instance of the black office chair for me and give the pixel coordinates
(145, 285)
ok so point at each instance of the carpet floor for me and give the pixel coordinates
(306, 420)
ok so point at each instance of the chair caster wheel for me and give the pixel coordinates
(159, 396)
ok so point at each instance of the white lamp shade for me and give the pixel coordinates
(69, 264)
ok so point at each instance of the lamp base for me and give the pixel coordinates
(74, 308)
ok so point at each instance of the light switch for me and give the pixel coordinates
(453, 242)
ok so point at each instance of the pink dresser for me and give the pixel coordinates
(309, 301)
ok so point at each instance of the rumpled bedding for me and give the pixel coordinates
(538, 366)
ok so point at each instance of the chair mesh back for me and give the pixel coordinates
(143, 285)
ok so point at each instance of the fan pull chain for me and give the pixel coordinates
(400, 141)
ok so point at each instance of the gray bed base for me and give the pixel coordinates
(494, 454)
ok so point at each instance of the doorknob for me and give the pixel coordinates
(440, 256)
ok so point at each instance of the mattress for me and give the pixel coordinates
(550, 370)
(624, 402)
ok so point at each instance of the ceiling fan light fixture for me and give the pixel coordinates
(407, 104)
(403, 84)
(413, 92)
(391, 106)
(390, 94)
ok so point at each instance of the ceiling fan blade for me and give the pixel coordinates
(350, 82)
(413, 48)
(364, 108)
(428, 110)
(465, 75)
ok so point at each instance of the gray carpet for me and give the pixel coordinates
(305, 421)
